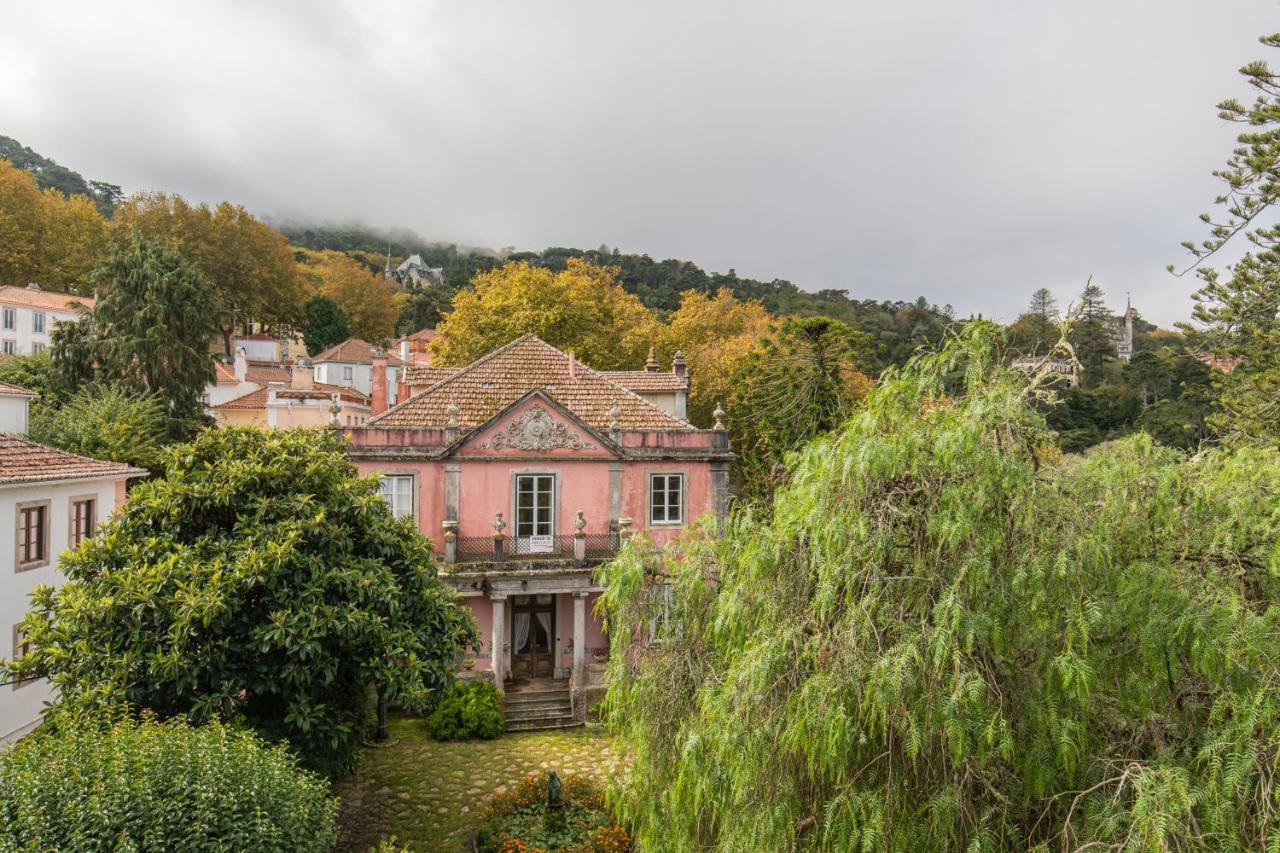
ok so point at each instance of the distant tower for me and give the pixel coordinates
(1124, 343)
(387, 273)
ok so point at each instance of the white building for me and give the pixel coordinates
(50, 500)
(27, 315)
(350, 364)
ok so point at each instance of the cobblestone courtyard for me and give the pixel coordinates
(425, 793)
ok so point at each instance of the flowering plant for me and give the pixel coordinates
(515, 821)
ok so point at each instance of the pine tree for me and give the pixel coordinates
(326, 324)
(1043, 305)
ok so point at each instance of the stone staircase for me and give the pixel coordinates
(537, 706)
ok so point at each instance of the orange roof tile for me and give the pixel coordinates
(24, 461)
(651, 381)
(422, 335)
(48, 300)
(419, 375)
(355, 351)
(489, 385)
(16, 390)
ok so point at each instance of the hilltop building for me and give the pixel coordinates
(50, 500)
(527, 468)
(27, 316)
(413, 272)
(1124, 333)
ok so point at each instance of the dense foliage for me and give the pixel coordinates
(580, 309)
(326, 324)
(944, 636)
(517, 821)
(796, 386)
(105, 422)
(149, 331)
(469, 709)
(49, 174)
(364, 297)
(159, 786)
(45, 236)
(259, 580)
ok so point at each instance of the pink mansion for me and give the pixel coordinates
(527, 468)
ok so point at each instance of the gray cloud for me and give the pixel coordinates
(970, 152)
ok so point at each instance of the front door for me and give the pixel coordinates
(533, 625)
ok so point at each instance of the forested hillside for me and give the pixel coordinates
(50, 174)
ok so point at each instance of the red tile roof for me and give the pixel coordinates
(422, 335)
(486, 387)
(651, 381)
(48, 300)
(257, 399)
(355, 351)
(425, 375)
(258, 372)
(24, 461)
(16, 390)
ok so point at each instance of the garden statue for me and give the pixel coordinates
(554, 819)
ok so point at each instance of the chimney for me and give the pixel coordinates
(573, 366)
(404, 350)
(651, 366)
(678, 365)
(379, 403)
(241, 365)
(301, 376)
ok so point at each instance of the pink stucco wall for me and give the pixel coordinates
(482, 609)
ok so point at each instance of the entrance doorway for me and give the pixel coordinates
(533, 632)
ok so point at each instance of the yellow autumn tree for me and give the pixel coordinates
(46, 237)
(715, 334)
(75, 239)
(247, 263)
(365, 297)
(582, 309)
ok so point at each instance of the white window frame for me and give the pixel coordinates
(37, 347)
(348, 373)
(393, 498)
(667, 520)
(552, 522)
(38, 322)
(9, 347)
(8, 319)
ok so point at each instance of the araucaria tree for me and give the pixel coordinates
(945, 636)
(259, 581)
(150, 329)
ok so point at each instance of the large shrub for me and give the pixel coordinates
(160, 786)
(259, 580)
(517, 821)
(468, 710)
(945, 636)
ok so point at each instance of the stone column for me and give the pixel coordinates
(498, 659)
(720, 489)
(452, 489)
(579, 635)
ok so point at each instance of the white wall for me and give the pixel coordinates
(258, 350)
(21, 707)
(24, 336)
(13, 413)
(331, 373)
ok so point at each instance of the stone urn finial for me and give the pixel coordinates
(579, 523)
(615, 417)
(452, 411)
(718, 414)
(498, 525)
(334, 409)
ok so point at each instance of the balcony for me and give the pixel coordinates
(579, 548)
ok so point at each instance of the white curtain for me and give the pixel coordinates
(544, 619)
(521, 638)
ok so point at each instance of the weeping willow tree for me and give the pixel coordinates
(943, 636)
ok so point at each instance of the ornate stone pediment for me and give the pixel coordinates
(535, 430)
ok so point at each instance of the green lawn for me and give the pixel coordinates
(425, 793)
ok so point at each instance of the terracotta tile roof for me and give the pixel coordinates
(16, 390)
(257, 399)
(422, 335)
(419, 375)
(258, 372)
(24, 461)
(48, 300)
(355, 351)
(644, 380)
(486, 387)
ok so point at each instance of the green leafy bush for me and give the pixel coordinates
(468, 709)
(517, 821)
(160, 786)
(259, 581)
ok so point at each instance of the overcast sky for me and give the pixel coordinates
(967, 151)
